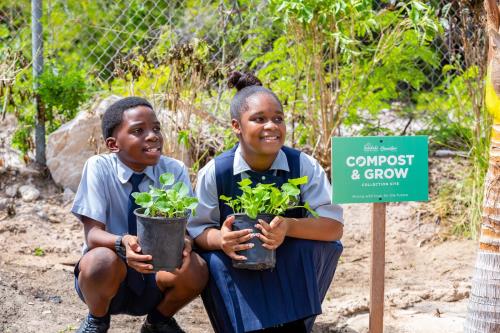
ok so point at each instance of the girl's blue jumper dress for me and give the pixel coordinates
(240, 300)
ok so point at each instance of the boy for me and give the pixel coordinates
(113, 276)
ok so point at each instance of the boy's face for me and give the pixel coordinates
(261, 128)
(137, 140)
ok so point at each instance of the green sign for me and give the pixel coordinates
(380, 169)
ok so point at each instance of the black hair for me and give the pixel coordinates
(114, 113)
(247, 85)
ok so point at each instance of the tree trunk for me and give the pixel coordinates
(484, 304)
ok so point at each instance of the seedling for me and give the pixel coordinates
(170, 203)
(267, 199)
(39, 252)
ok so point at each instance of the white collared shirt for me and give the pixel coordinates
(104, 190)
(317, 192)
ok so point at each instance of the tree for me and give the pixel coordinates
(484, 304)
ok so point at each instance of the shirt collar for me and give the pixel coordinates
(240, 165)
(124, 172)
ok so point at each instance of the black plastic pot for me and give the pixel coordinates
(162, 238)
(258, 257)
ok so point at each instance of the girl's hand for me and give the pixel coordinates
(135, 259)
(231, 241)
(273, 234)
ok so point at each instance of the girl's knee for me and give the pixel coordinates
(101, 264)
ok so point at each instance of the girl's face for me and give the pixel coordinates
(261, 129)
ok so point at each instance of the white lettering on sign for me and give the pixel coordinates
(398, 173)
(379, 160)
(380, 166)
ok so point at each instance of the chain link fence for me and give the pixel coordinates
(179, 52)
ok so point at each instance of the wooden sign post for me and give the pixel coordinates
(377, 271)
(379, 170)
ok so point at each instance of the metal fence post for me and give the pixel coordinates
(37, 56)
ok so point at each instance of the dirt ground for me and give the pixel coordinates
(426, 287)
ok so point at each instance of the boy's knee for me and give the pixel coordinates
(201, 271)
(101, 264)
(191, 282)
(198, 272)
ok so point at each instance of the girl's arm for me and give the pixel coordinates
(225, 239)
(209, 239)
(319, 228)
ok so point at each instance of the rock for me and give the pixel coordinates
(28, 171)
(11, 191)
(29, 193)
(450, 153)
(68, 195)
(54, 219)
(3, 203)
(354, 307)
(74, 142)
(41, 214)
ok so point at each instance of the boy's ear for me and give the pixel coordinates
(235, 124)
(111, 144)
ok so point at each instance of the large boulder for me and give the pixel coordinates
(74, 142)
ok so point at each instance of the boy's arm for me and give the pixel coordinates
(96, 235)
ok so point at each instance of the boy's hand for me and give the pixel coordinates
(231, 241)
(188, 246)
(135, 259)
(273, 234)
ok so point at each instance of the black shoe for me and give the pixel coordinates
(168, 325)
(93, 325)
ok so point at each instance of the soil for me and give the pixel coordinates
(427, 280)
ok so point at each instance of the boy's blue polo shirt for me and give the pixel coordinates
(318, 191)
(104, 188)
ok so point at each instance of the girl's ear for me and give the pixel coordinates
(235, 124)
(111, 144)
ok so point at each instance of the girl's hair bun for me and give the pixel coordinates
(240, 80)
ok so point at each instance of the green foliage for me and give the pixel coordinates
(21, 139)
(61, 91)
(339, 57)
(266, 198)
(448, 109)
(171, 202)
(183, 138)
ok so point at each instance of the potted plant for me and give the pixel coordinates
(161, 221)
(264, 201)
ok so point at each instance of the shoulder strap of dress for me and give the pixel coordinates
(293, 158)
(224, 171)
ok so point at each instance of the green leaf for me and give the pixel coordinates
(167, 179)
(310, 210)
(181, 189)
(225, 198)
(142, 199)
(298, 181)
(245, 182)
(290, 189)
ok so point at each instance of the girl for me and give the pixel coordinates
(288, 297)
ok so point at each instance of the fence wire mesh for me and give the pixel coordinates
(181, 51)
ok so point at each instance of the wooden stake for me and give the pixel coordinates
(377, 273)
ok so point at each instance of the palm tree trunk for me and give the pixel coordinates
(484, 304)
